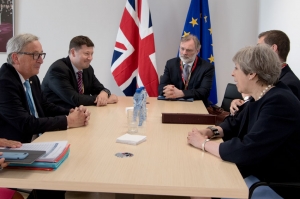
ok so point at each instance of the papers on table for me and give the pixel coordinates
(56, 153)
(53, 149)
(131, 139)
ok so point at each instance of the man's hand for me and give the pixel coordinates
(101, 99)
(112, 99)
(171, 92)
(86, 112)
(9, 143)
(79, 117)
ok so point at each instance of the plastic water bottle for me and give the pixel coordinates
(136, 103)
(144, 102)
(139, 104)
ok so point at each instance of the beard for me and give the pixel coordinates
(188, 60)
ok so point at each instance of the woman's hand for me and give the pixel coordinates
(197, 137)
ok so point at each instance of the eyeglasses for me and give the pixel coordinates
(35, 56)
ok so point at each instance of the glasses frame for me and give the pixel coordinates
(43, 55)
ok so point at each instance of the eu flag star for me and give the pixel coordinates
(194, 22)
(211, 59)
(185, 34)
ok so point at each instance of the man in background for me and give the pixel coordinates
(71, 82)
(187, 76)
(280, 43)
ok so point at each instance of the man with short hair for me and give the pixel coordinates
(71, 82)
(24, 111)
(280, 43)
(187, 76)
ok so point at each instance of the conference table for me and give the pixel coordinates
(162, 165)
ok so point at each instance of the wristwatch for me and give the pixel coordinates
(214, 130)
(107, 91)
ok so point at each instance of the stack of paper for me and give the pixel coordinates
(131, 139)
(56, 153)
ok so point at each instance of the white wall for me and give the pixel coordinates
(283, 15)
(235, 23)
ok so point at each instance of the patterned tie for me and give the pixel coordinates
(79, 82)
(186, 71)
(29, 98)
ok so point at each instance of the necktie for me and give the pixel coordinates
(79, 82)
(186, 71)
(29, 97)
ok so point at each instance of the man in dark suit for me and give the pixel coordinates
(61, 85)
(280, 43)
(24, 111)
(187, 76)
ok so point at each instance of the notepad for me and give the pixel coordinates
(131, 139)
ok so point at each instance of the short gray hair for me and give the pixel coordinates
(259, 59)
(17, 43)
(194, 38)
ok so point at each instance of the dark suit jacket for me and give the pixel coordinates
(60, 85)
(288, 77)
(16, 123)
(264, 139)
(200, 82)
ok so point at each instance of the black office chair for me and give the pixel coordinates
(231, 93)
(272, 184)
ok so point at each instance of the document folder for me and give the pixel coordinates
(33, 155)
(188, 118)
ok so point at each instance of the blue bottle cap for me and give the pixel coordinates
(138, 90)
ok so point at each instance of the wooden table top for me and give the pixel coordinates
(163, 165)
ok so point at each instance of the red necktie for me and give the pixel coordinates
(79, 82)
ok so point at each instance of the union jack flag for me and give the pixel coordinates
(134, 63)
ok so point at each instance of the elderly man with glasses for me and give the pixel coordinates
(24, 111)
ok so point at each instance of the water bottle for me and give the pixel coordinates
(144, 102)
(139, 104)
(136, 103)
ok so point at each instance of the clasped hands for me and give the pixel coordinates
(78, 117)
(171, 92)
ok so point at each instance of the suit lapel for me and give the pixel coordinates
(73, 75)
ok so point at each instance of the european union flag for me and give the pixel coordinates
(198, 23)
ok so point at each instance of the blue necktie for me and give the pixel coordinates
(29, 97)
(186, 72)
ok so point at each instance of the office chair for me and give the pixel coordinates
(231, 93)
(272, 184)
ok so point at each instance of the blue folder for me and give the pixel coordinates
(52, 165)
